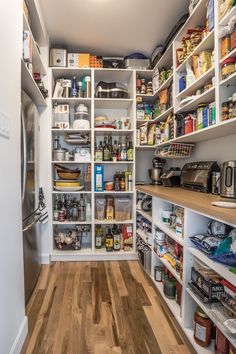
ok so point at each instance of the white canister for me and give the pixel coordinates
(165, 216)
(160, 235)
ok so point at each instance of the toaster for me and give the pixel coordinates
(197, 176)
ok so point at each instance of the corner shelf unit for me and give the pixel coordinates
(218, 93)
(195, 222)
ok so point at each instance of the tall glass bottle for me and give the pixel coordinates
(82, 208)
(74, 91)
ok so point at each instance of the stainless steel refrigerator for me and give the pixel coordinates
(30, 211)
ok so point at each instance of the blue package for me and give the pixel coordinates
(99, 178)
(205, 117)
(182, 83)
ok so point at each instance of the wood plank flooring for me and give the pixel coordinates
(100, 308)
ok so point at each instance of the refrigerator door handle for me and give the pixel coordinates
(24, 155)
(36, 212)
(36, 219)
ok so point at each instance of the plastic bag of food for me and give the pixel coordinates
(190, 78)
(151, 134)
(206, 243)
(155, 81)
(143, 134)
(204, 61)
(163, 96)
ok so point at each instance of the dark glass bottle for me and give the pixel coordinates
(109, 241)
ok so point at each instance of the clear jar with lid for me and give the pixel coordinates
(234, 105)
(231, 107)
(225, 110)
(228, 67)
(202, 328)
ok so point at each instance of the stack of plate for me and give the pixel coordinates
(63, 185)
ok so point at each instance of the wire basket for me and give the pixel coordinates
(174, 150)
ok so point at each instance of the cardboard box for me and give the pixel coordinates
(73, 60)
(84, 60)
(128, 237)
(95, 61)
(27, 46)
(99, 178)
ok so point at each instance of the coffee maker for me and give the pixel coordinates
(156, 171)
(228, 180)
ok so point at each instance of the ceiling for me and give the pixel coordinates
(111, 27)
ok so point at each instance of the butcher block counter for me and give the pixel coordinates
(200, 202)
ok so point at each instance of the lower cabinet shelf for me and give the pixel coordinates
(86, 254)
(175, 309)
(172, 304)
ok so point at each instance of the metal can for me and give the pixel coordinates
(158, 270)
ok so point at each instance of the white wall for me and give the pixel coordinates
(221, 149)
(13, 323)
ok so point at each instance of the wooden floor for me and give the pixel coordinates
(99, 308)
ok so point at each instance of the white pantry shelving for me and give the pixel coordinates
(97, 106)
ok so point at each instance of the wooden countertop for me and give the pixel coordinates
(200, 202)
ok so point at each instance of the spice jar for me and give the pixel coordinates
(222, 343)
(225, 110)
(138, 84)
(202, 328)
(228, 67)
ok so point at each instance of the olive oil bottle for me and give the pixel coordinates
(109, 241)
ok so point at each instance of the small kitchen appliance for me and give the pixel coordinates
(156, 171)
(197, 176)
(171, 177)
(228, 180)
(111, 90)
(81, 117)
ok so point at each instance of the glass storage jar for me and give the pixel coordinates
(202, 328)
(228, 67)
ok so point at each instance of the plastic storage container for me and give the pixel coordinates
(122, 209)
(100, 208)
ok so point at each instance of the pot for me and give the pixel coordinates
(59, 154)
